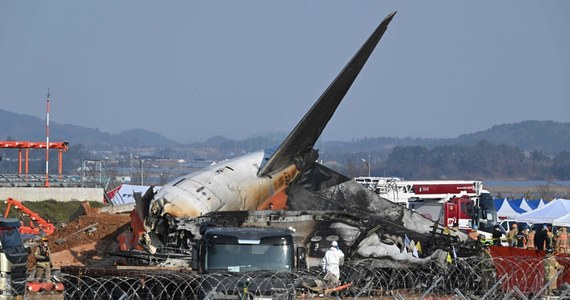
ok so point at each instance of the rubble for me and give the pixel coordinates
(87, 247)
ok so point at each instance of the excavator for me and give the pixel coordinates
(37, 225)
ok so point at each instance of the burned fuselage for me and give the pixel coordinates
(326, 206)
(257, 180)
(288, 178)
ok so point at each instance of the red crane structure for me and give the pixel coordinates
(61, 146)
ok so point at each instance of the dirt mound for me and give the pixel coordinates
(88, 247)
(108, 227)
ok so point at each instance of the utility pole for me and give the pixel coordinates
(367, 163)
(47, 141)
(142, 173)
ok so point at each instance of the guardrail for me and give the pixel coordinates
(38, 180)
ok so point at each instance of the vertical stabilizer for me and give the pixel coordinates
(302, 139)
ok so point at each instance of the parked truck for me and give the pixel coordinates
(249, 263)
(233, 260)
(13, 259)
(239, 249)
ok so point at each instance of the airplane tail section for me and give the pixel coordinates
(299, 143)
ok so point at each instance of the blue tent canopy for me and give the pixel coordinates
(533, 203)
(499, 203)
(509, 210)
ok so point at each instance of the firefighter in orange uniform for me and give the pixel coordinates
(562, 241)
(551, 268)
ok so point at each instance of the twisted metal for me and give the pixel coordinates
(467, 278)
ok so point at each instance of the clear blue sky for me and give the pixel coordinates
(193, 69)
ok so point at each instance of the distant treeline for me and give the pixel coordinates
(483, 160)
(480, 161)
(528, 149)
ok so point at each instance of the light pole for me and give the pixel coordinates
(142, 174)
(368, 164)
(141, 161)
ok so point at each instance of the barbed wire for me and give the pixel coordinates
(466, 278)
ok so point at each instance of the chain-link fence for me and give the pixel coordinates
(464, 278)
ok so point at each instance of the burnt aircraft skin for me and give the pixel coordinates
(361, 235)
(326, 206)
(249, 182)
(321, 188)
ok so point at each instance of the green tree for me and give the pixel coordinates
(561, 165)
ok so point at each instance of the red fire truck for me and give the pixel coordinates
(453, 202)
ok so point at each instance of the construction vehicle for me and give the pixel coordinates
(13, 259)
(36, 225)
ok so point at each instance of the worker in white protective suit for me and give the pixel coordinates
(331, 264)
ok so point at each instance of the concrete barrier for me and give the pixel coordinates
(56, 193)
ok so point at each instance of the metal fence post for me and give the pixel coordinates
(546, 285)
(494, 287)
(566, 290)
(399, 297)
(459, 294)
(362, 290)
(431, 288)
(519, 292)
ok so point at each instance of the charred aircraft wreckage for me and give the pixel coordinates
(288, 188)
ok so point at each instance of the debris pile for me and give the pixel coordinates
(82, 243)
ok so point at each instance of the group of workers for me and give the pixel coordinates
(536, 238)
(533, 239)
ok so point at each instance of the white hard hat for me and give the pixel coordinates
(334, 244)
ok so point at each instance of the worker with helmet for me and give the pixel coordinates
(551, 269)
(43, 260)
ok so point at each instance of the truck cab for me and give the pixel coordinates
(13, 259)
(248, 263)
(242, 249)
(460, 212)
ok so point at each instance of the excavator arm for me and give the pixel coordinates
(37, 224)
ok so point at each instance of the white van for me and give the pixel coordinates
(508, 224)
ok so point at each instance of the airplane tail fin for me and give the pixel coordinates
(301, 140)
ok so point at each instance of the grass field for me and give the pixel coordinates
(530, 192)
(55, 212)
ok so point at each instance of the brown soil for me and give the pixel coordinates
(87, 248)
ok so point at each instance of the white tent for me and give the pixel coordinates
(562, 221)
(525, 206)
(509, 210)
(554, 209)
(535, 203)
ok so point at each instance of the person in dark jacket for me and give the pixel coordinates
(497, 235)
(541, 238)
